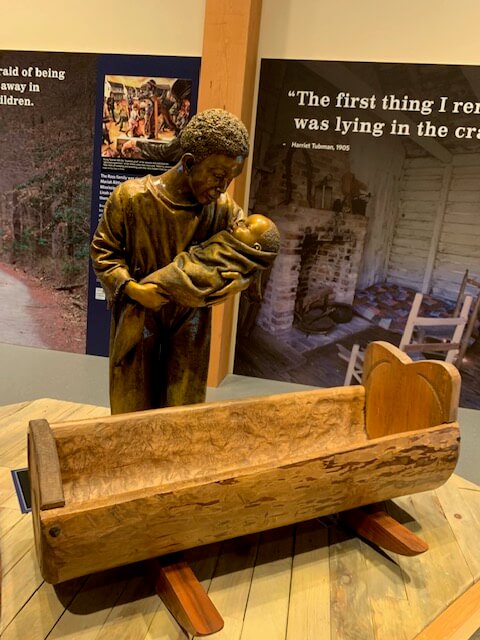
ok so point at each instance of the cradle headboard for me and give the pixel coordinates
(402, 395)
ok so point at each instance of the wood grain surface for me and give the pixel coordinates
(119, 529)
(48, 480)
(403, 395)
(205, 473)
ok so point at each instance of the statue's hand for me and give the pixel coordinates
(145, 294)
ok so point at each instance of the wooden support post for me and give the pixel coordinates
(185, 598)
(227, 79)
(375, 525)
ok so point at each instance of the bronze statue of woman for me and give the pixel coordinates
(161, 358)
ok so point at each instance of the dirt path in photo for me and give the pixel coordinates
(34, 315)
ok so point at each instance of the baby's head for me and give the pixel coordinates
(258, 232)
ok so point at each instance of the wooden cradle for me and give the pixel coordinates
(115, 490)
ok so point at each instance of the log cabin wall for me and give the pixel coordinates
(437, 232)
(459, 239)
(419, 200)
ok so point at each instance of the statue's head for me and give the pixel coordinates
(259, 232)
(215, 131)
(215, 147)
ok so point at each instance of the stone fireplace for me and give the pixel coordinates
(319, 248)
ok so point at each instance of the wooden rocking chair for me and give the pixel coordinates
(472, 283)
(415, 338)
(448, 335)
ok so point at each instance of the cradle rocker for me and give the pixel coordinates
(115, 490)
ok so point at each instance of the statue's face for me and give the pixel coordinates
(210, 178)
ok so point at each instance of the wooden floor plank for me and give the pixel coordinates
(351, 616)
(462, 483)
(266, 613)
(309, 607)
(8, 496)
(230, 585)
(7, 411)
(436, 578)
(37, 618)
(472, 498)
(16, 456)
(464, 518)
(459, 622)
(386, 592)
(133, 614)
(387, 595)
(164, 627)
(18, 586)
(9, 518)
(16, 543)
(91, 606)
